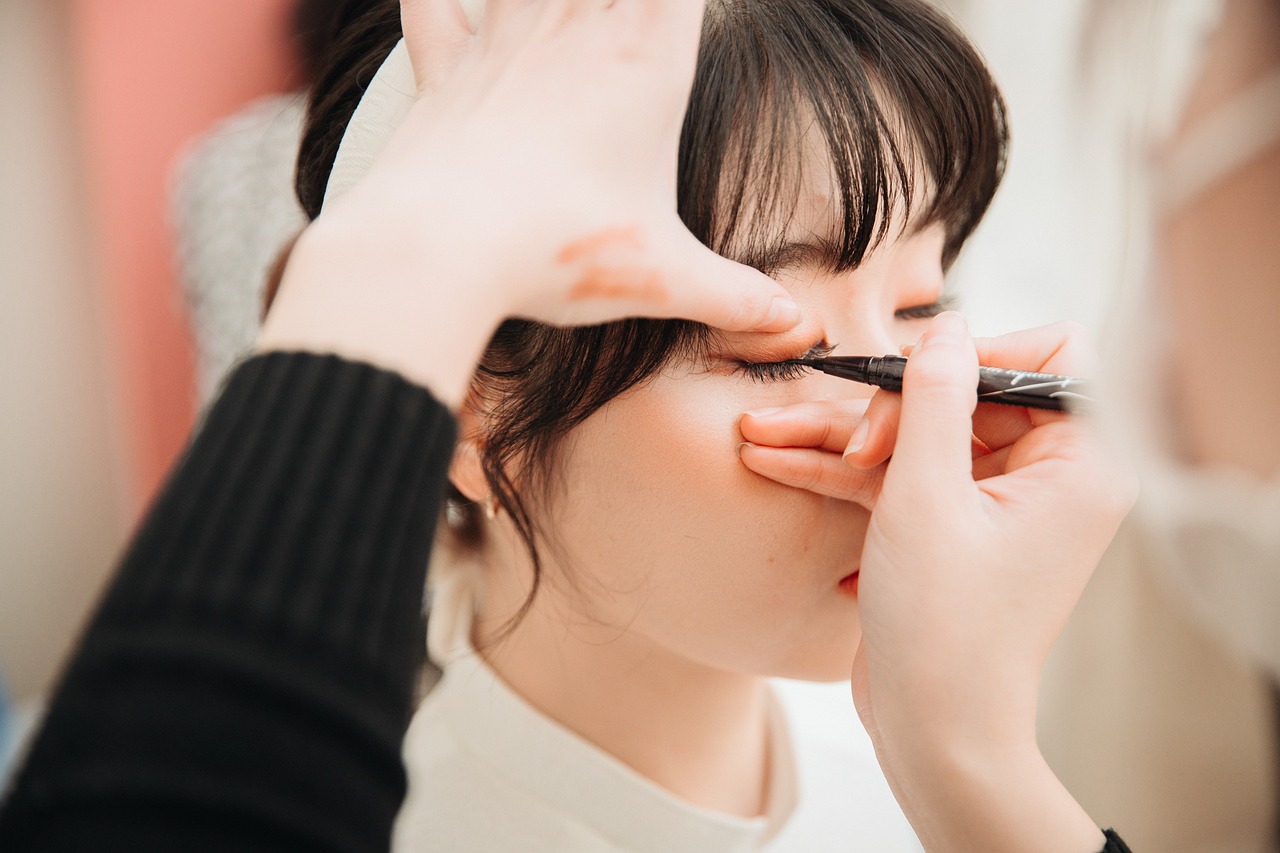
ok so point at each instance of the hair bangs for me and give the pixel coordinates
(886, 94)
(904, 110)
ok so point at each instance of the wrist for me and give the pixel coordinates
(960, 703)
(966, 794)
(356, 288)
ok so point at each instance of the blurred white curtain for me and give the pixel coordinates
(1152, 714)
(62, 513)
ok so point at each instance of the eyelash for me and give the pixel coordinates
(780, 371)
(773, 371)
(924, 312)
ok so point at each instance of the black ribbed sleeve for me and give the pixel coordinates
(247, 680)
(1115, 844)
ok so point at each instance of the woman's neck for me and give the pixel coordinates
(699, 732)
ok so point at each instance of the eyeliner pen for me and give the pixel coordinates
(995, 384)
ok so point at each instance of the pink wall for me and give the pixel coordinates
(151, 74)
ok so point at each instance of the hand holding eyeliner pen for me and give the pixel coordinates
(995, 384)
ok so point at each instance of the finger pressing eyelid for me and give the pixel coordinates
(796, 342)
(697, 284)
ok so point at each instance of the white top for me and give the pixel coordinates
(488, 772)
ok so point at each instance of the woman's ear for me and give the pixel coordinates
(466, 471)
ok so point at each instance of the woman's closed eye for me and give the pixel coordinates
(925, 312)
(771, 371)
(782, 371)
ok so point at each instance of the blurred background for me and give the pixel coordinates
(101, 99)
(146, 166)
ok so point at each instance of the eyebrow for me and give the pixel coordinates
(815, 250)
(787, 252)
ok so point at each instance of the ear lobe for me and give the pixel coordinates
(466, 471)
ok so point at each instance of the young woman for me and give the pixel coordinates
(250, 667)
(624, 581)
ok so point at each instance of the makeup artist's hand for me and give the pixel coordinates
(974, 558)
(535, 176)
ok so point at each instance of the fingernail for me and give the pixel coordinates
(948, 327)
(906, 349)
(742, 445)
(859, 438)
(764, 413)
(783, 314)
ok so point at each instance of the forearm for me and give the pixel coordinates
(247, 680)
(994, 800)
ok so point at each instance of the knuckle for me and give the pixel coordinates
(1073, 332)
(822, 428)
(856, 486)
(808, 477)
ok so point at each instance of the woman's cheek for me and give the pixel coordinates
(710, 412)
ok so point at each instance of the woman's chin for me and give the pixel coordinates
(832, 663)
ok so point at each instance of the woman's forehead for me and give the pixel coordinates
(801, 208)
(822, 117)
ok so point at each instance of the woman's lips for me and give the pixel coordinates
(849, 584)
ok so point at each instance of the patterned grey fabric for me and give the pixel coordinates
(234, 208)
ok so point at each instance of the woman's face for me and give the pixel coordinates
(669, 538)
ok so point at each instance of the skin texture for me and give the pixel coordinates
(609, 265)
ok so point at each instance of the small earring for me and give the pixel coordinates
(490, 504)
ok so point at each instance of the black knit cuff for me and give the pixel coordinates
(305, 505)
(250, 673)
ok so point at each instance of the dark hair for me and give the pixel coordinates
(893, 87)
(315, 26)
